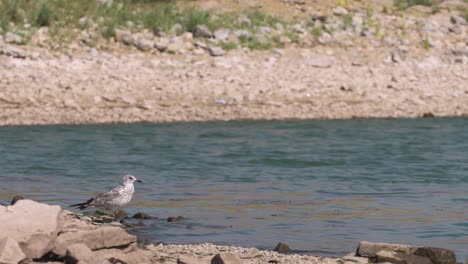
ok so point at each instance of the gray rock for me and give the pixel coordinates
(13, 52)
(107, 3)
(298, 28)
(437, 255)
(282, 248)
(84, 21)
(431, 26)
(94, 238)
(175, 218)
(243, 20)
(123, 36)
(400, 258)
(357, 21)
(176, 29)
(340, 11)
(144, 44)
(320, 61)
(243, 33)
(226, 258)
(13, 38)
(222, 34)
(162, 44)
(202, 31)
(10, 251)
(141, 215)
(455, 29)
(36, 238)
(369, 249)
(265, 30)
(324, 38)
(458, 20)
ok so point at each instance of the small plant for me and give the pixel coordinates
(255, 43)
(317, 32)
(228, 45)
(404, 4)
(347, 21)
(342, 2)
(43, 16)
(369, 16)
(426, 44)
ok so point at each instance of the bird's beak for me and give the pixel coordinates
(139, 181)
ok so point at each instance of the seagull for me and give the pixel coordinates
(113, 200)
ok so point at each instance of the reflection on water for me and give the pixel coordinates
(320, 186)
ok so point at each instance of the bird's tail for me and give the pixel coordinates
(84, 205)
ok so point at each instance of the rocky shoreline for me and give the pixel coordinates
(363, 64)
(33, 232)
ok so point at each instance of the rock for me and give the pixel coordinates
(244, 33)
(188, 259)
(34, 225)
(13, 38)
(10, 251)
(243, 20)
(106, 3)
(118, 256)
(400, 258)
(78, 253)
(144, 44)
(324, 38)
(437, 255)
(175, 218)
(84, 21)
(162, 44)
(202, 31)
(141, 215)
(352, 258)
(123, 36)
(16, 198)
(282, 248)
(97, 238)
(121, 214)
(298, 28)
(226, 258)
(320, 61)
(222, 34)
(216, 51)
(458, 20)
(456, 29)
(340, 11)
(369, 249)
(176, 29)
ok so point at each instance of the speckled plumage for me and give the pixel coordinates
(115, 199)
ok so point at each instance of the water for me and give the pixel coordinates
(319, 186)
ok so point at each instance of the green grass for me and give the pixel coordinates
(404, 4)
(62, 18)
(229, 45)
(317, 32)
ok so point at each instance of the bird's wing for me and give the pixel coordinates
(105, 197)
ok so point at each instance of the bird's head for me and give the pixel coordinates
(130, 179)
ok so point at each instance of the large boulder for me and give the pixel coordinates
(33, 225)
(10, 251)
(370, 250)
(405, 253)
(400, 258)
(437, 255)
(95, 238)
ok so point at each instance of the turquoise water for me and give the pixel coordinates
(319, 186)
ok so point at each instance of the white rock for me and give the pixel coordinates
(10, 251)
(13, 38)
(340, 11)
(144, 44)
(222, 34)
(34, 225)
